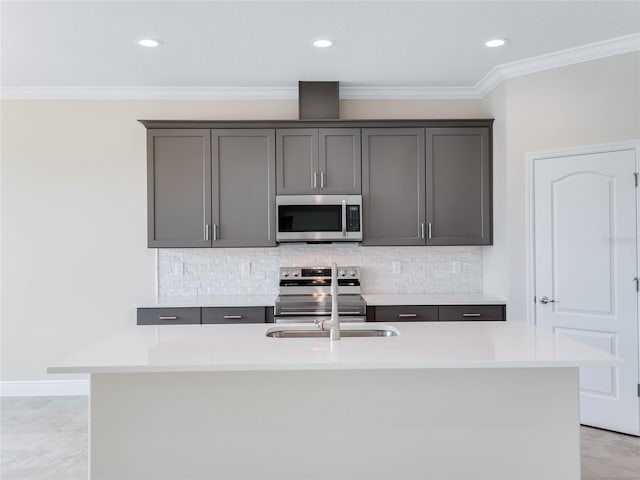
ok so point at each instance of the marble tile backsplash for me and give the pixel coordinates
(237, 271)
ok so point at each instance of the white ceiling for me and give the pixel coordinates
(268, 43)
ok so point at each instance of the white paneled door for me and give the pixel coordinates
(585, 273)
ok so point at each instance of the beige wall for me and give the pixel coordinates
(495, 256)
(583, 104)
(73, 187)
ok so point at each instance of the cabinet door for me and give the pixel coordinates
(297, 161)
(461, 313)
(243, 171)
(406, 313)
(393, 181)
(459, 208)
(179, 188)
(340, 162)
(230, 315)
(169, 316)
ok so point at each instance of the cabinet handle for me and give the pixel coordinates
(206, 232)
(407, 315)
(215, 231)
(470, 314)
(315, 179)
(232, 317)
(167, 318)
(321, 179)
(422, 230)
(429, 230)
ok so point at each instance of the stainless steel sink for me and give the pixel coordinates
(293, 332)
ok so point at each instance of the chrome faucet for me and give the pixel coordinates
(334, 323)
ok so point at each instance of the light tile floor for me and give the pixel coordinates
(609, 456)
(45, 438)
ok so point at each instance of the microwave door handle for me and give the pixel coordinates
(344, 218)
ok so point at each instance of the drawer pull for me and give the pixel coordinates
(407, 315)
(470, 314)
(232, 317)
(167, 318)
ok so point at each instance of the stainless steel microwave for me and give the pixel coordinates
(319, 218)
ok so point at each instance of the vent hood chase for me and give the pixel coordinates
(318, 101)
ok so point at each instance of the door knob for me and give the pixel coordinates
(545, 300)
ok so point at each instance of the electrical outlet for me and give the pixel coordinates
(246, 268)
(397, 267)
(455, 267)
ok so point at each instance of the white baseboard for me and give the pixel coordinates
(44, 388)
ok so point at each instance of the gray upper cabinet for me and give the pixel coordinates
(297, 161)
(243, 191)
(211, 188)
(393, 186)
(340, 161)
(423, 182)
(325, 161)
(178, 187)
(458, 186)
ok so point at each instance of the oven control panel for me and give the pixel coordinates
(301, 281)
(318, 273)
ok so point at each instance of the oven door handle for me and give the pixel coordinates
(319, 313)
(344, 218)
(298, 313)
(307, 319)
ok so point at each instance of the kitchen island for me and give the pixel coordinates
(488, 400)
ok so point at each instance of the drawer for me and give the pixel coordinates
(168, 316)
(408, 313)
(453, 313)
(233, 315)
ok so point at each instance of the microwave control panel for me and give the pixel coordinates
(353, 218)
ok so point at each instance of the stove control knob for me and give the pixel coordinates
(295, 274)
(352, 273)
(285, 274)
(342, 273)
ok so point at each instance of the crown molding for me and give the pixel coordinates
(149, 93)
(226, 93)
(406, 93)
(490, 81)
(561, 58)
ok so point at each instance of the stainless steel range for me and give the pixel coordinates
(305, 295)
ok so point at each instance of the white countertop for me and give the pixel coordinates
(371, 299)
(433, 299)
(192, 348)
(211, 301)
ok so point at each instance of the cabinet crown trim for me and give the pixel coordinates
(211, 124)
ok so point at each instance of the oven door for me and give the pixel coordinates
(308, 308)
(320, 218)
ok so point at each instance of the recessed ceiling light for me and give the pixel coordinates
(496, 42)
(149, 42)
(322, 43)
